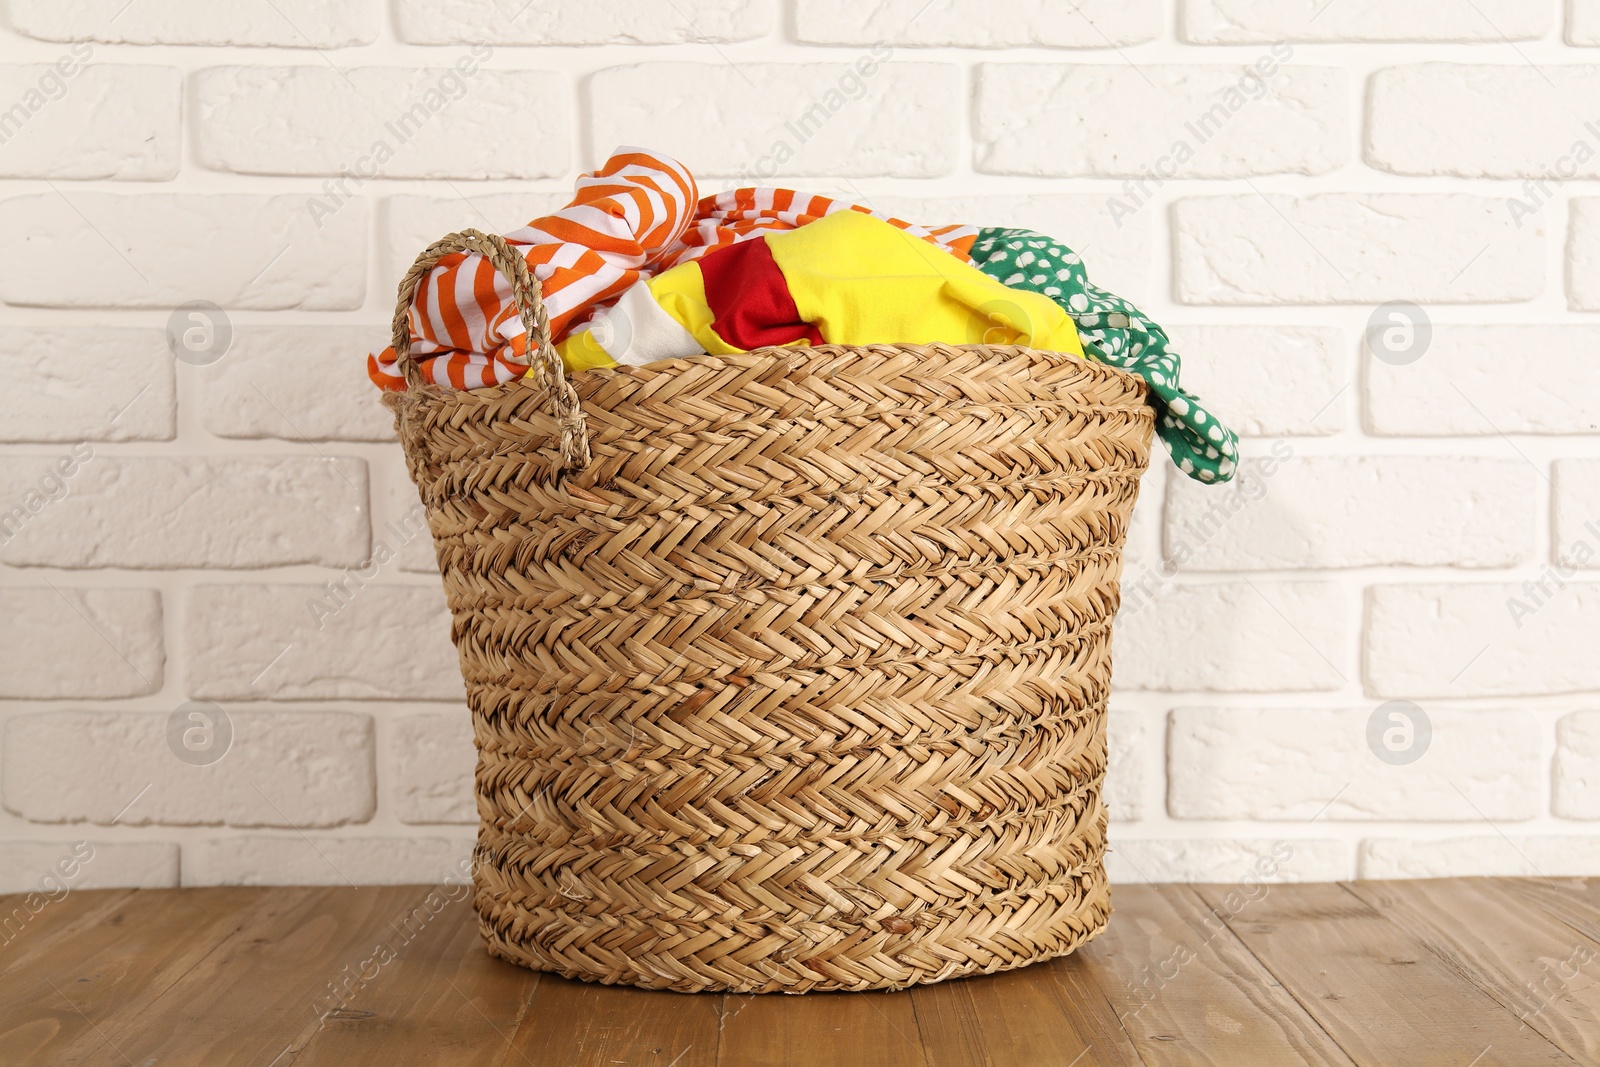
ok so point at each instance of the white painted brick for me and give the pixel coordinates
(283, 768)
(1489, 379)
(432, 760)
(1115, 250)
(1127, 739)
(1577, 768)
(262, 860)
(114, 636)
(1577, 519)
(1292, 763)
(431, 123)
(1142, 549)
(1353, 248)
(1583, 22)
(1583, 254)
(160, 250)
(232, 511)
(49, 866)
(902, 119)
(1265, 21)
(301, 383)
(1354, 511)
(580, 22)
(1124, 121)
(400, 522)
(979, 23)
(1245, 636)
(1268, 381)
(1133, 861)
(412, 223)
(1485, 856)
(1430, 118)
(1483, 639)
(405, 536)
(99, 120)
(281, 23)
(253, 642)
(86, 383)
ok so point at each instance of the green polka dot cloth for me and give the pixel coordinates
(1114, 331)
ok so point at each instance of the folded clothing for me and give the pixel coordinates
(1114, 332)
(847, 278)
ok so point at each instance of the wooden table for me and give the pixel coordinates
(1461, 973)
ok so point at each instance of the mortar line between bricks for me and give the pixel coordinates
(291, 824)
(1534, 867)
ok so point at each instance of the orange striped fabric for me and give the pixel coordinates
(739, 214)
(637, 215)
(465, 331)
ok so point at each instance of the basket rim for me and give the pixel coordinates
(770, 354)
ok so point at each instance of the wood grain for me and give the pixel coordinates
(847, 1029)
(100, 974)
(26, 933)
(1189, 993)
(1530, 961)
(570, 1023)
(1414, 974)
(1020, 1017)
(255, 1000)
(1377, 990)
(1575, 901)
(443, 998)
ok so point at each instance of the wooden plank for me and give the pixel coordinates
(580, 1024)
(442, 999)
(1523, 957)
(98, 972)
(1048, 1013)
(1382, 995)
(1414, 973)
(1189, 993)
(867, 1029)
(27, 928)
(1575, 901)
(257, 998)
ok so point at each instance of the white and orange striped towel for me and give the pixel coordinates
(636, 216)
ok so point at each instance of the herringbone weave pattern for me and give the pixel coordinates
(800, 682)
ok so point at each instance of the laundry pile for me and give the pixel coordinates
(638, 268)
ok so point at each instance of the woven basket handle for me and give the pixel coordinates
(530, 306)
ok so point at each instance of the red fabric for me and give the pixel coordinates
(749, 298)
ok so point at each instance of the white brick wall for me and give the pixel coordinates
(1117, 121)
(1388, 510)
(1432, 118)
(111, 121)
(1353, 248)
(284, 23)
(1261, 21)
(978, 23)
(288, 769)
(594, 22)
(455, 121)
(159, 250)
(1259, 176)
(742, 119)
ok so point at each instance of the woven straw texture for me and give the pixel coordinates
(788, 670)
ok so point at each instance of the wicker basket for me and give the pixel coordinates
(799, 681)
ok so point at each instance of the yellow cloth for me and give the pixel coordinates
(859, 280)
